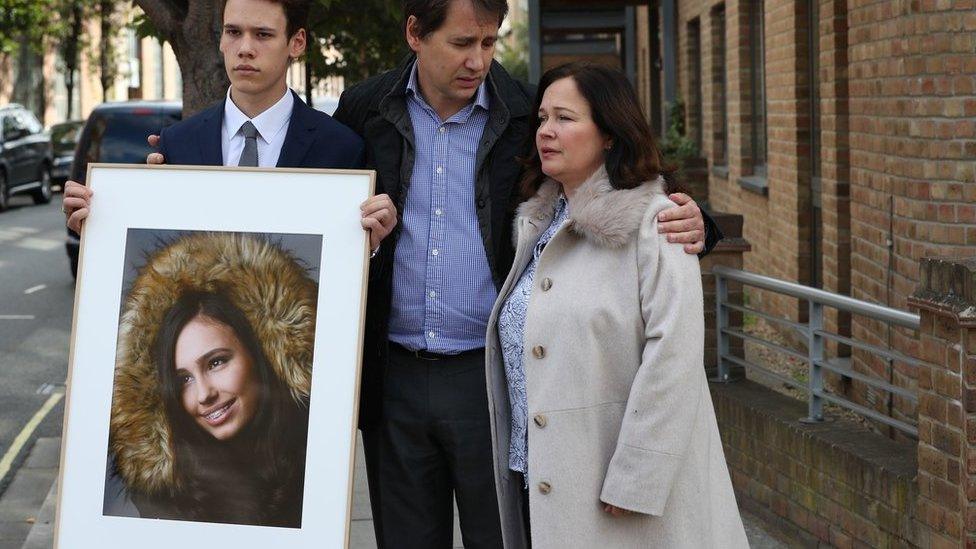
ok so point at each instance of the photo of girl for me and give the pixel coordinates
(209, 418)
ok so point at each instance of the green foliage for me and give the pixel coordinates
(676, 146)
(368, 34)
(23, 20)
(512, 51)
(145, 28)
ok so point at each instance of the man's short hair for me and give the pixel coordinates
(296, 14)
(431, 14)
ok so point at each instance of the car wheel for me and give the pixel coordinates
(43, 194)
(3, 190)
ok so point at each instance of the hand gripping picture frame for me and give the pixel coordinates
(213, 377)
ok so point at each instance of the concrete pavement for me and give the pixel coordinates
(27, 507)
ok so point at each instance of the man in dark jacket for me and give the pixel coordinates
(443, 131)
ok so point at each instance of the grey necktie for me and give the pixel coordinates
(250, 155)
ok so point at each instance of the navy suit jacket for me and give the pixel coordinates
(314, 140)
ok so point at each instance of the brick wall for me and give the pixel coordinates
(912, 135)
(776, 219)
(832, 483)
(946, 299)
(895, 85)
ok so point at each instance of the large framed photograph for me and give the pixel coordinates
(214, 370)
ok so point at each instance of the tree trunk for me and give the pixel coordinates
(71, 56)
(193, 29)
(106, 74)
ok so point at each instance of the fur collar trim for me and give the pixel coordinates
(598, 212)
(265, 282)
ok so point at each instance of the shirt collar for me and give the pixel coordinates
(480, 98)
(269, 123)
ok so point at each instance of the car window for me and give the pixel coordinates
(29, 121)
(11, 122)
(64, 137)
(120, 137)
(8, 123)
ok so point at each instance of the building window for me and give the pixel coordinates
(720, 128)
(757, 86)
(134, 65)
(160, 70)
(695, 82)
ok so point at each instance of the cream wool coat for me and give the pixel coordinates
(619, 407)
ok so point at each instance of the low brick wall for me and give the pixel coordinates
(835, 482)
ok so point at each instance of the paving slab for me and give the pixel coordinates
(40, 534)
(24, 498)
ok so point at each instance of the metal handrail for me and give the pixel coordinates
(837, 301)
(816, 336)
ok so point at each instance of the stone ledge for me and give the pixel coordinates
(948, 288)
(755, 184)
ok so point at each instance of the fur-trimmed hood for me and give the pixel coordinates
(598, 212)
(265, 282)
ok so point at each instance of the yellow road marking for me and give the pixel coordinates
(26, 432)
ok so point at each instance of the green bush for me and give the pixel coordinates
(677, 147)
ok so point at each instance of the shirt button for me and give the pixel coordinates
(546, 284)
(442, 129)
(545, 487)
(434, 252)
(440, 169)
(438, 211)
(540, 420)
(430, 334)
(432, 293)
(539, 351)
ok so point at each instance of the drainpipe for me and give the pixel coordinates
(535, 41)
(669, 55)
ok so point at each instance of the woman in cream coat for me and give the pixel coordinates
(604, 431)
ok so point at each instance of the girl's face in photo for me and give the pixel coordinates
(219, 388)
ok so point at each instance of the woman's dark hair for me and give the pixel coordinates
(266, 448)
(633, 157)
(431, 14)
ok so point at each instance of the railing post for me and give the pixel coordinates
(721, 324)
(815, 354)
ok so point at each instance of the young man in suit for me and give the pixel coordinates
(260, 122)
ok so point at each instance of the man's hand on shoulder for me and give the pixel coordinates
(154, 158)
(683, 223)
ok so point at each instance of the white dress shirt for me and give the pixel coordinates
(272, 126)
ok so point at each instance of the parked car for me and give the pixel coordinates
(64, 139)
(25, 156)
(116, 133)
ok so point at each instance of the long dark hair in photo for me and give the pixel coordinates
(261, 459)
(634, 156)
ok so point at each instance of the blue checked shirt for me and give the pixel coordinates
(442, 285)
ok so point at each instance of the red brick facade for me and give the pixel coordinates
(892, 144)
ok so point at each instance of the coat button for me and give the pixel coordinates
(545, 487)
(539, 351)
(546, 284)
(481, 203)
(540, 420)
